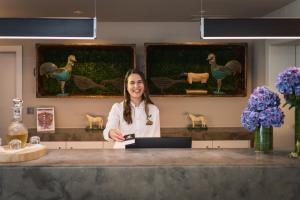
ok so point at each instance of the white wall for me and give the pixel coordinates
(290, 10)
(279, 58)
(259, 63)
(278, 55)
(7, 77)
(220, 111)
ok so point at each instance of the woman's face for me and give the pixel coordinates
(135, 86)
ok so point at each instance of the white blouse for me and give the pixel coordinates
(139, 120)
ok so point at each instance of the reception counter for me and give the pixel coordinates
(153, 174)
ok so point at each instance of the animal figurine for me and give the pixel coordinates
(61, 74)
(94, 120)
(196, 77)
(219, 72)
(200, 119)
(296, 153)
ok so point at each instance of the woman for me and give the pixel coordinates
(135, 114)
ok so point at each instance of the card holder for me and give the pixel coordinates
(129, 139)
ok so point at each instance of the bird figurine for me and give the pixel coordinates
(61, 74)
(219, 72)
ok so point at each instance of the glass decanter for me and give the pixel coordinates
(16, 129)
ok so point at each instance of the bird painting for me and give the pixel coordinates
(219, 72)
(84, 83)
(164, 83)
(116, 82)
(61, 74)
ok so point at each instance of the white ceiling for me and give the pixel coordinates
(140, 10)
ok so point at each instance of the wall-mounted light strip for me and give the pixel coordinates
(253, 28)
(48, 28)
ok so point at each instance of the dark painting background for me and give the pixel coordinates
(171, 60)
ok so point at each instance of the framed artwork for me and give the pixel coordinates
(82, 70)
(196, 69)
(45, 120)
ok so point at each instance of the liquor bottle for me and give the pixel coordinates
(16, 129)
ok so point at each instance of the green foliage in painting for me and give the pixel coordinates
(98, 70)
(171, 61)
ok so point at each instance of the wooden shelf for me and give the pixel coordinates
(79, 134)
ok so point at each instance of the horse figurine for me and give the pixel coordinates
(197, 119)
(94, 120)
(296, 153)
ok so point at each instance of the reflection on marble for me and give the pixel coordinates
(152, 174)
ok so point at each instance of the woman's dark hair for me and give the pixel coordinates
(145, 97)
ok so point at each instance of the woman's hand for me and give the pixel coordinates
(116, 135)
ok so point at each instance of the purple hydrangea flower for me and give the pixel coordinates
(250, 119)
(288, 83)
(262, 110)
(263, 98)
(297, 90)
(271, 117)
(288, 80)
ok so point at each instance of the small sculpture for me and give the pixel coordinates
(197, 119)
(98, 120)
(296, 153)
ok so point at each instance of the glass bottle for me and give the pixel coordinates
(16, 129)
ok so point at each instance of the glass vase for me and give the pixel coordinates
(297, 129)
(263, 139)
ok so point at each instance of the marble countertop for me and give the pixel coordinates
(159, 157)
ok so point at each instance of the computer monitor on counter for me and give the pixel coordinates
(161, 142)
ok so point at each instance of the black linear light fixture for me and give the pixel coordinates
(48, 28)
(250, 28)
